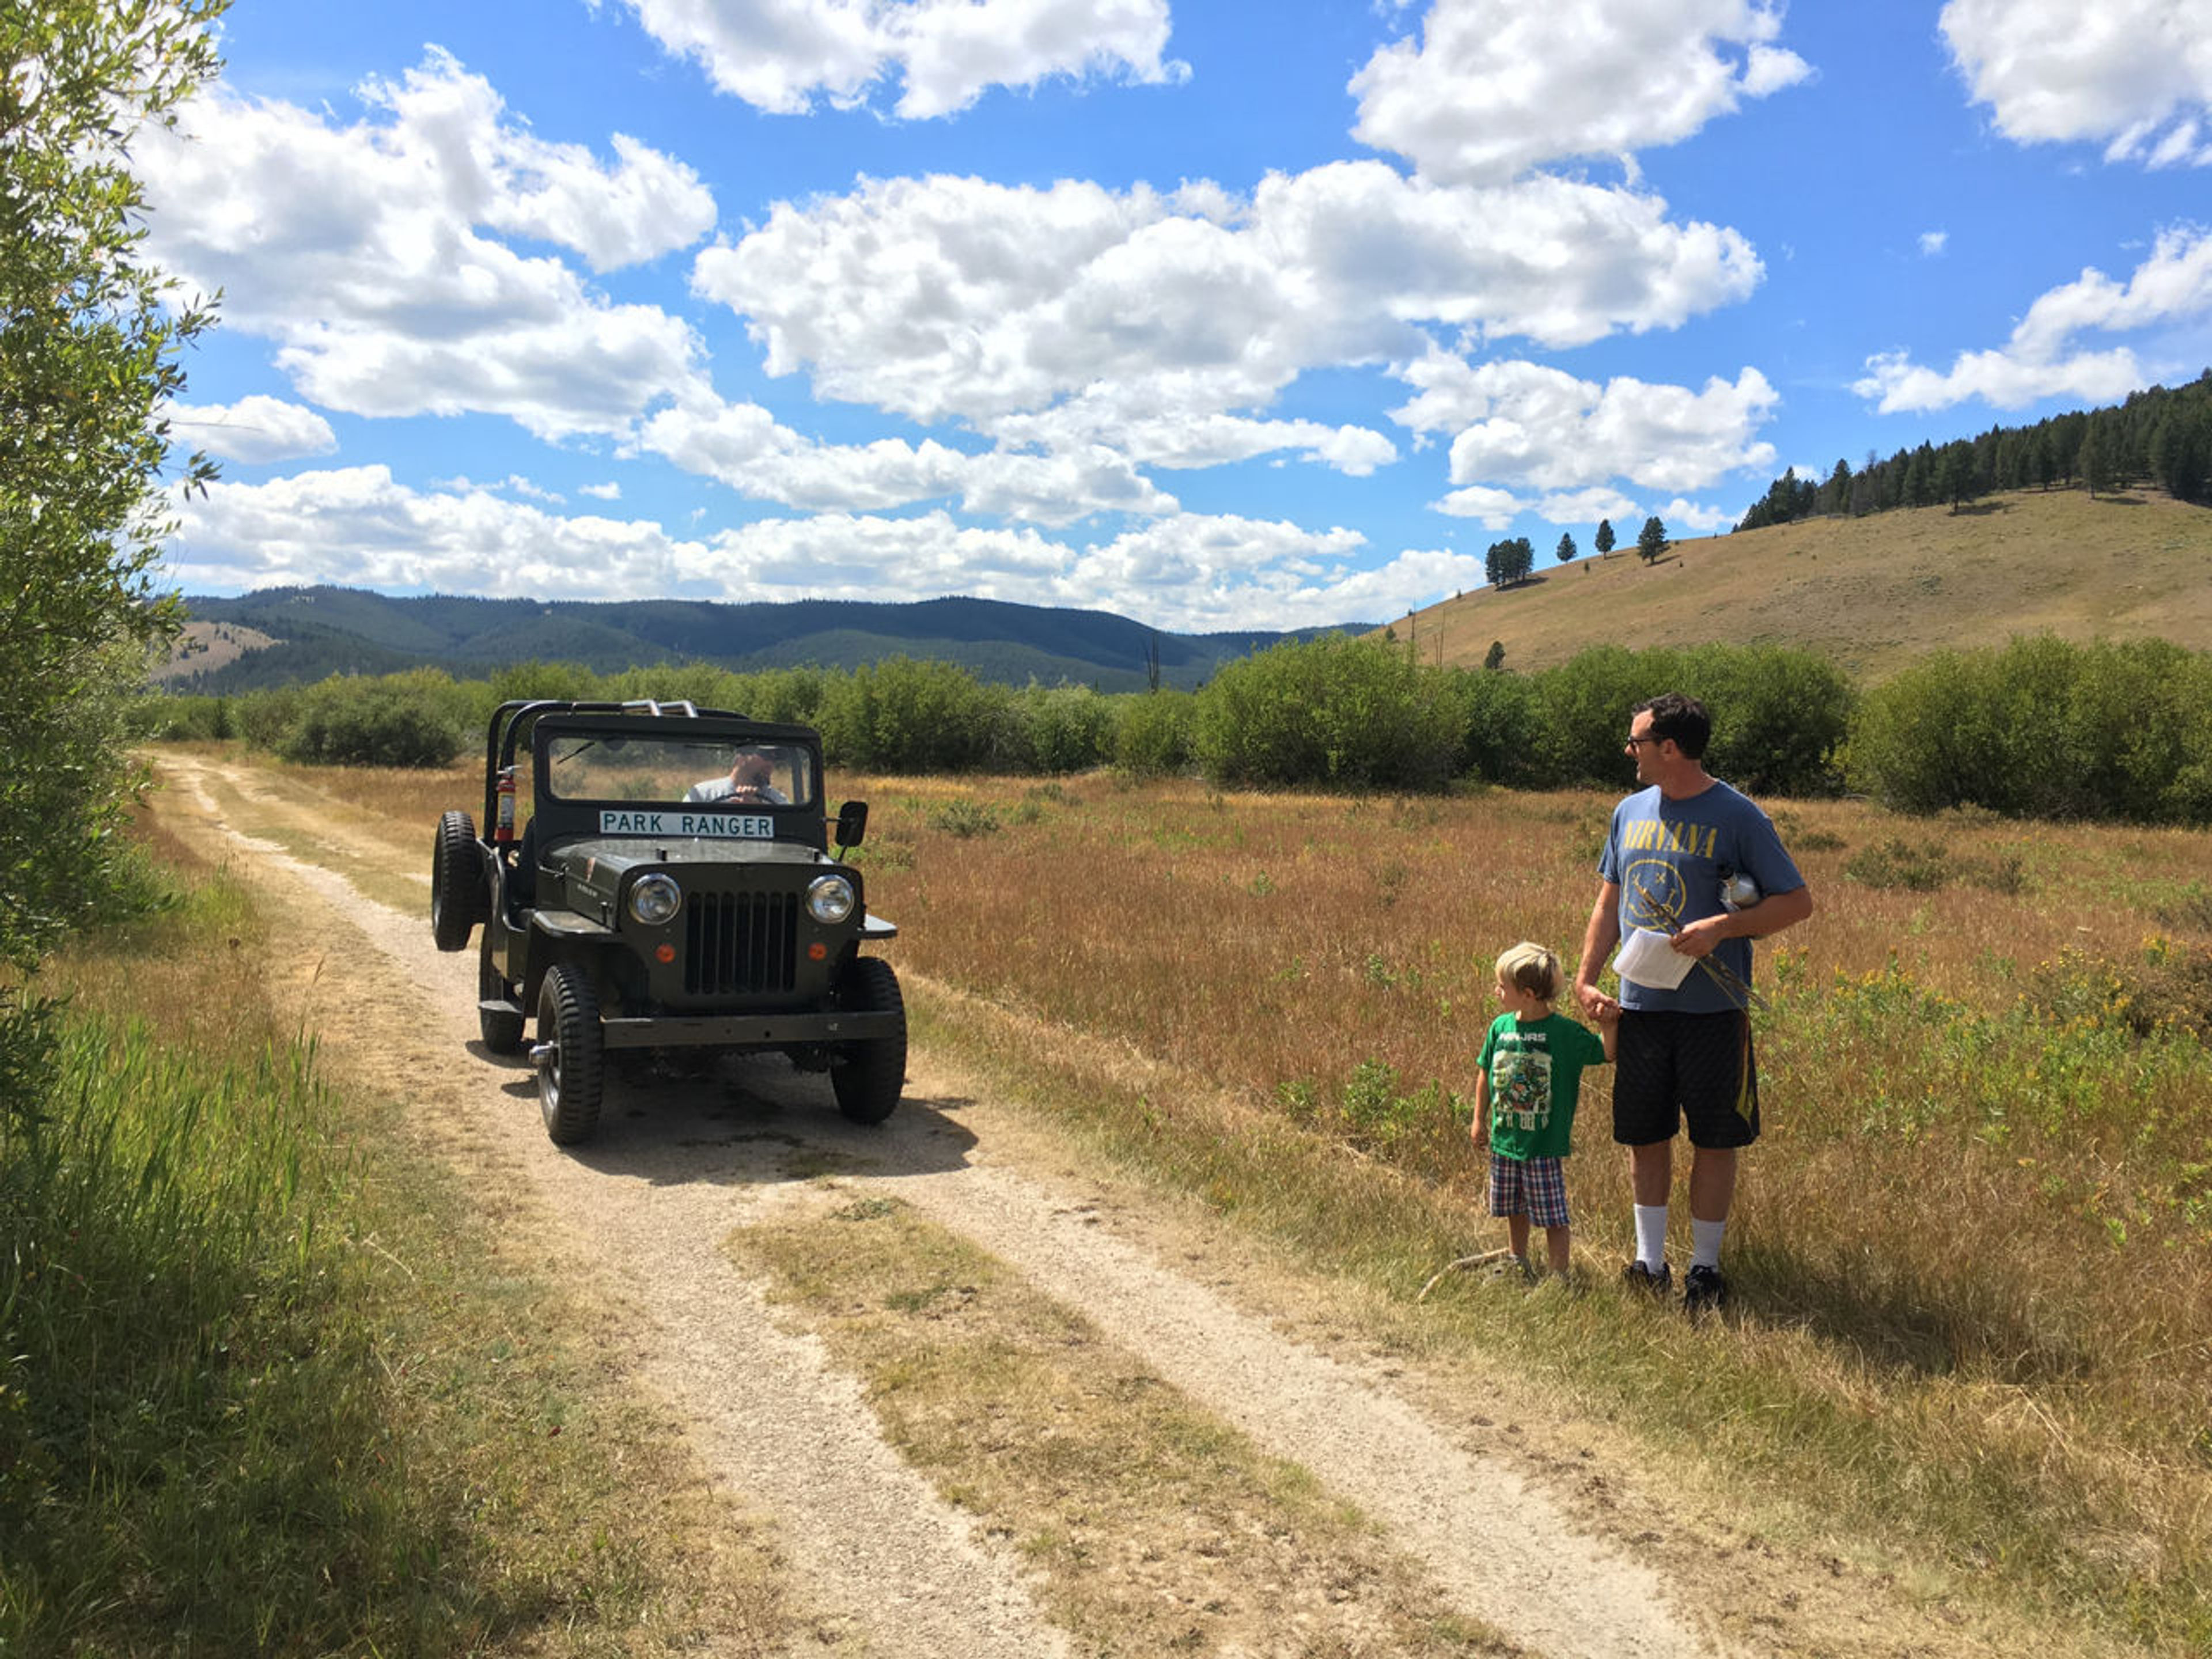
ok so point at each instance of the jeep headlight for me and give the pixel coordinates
(655, 899)
(829, 899)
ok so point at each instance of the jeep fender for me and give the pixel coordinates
(556, 937)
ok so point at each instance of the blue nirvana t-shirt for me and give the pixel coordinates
(1668, 857)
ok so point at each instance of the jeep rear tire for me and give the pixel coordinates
(572, 1075)
(459, 900)
(502, 1031)
(869, 1077)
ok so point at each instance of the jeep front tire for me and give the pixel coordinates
(572, 1068)
(869, 1077)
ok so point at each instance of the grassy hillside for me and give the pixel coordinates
(1871, 593)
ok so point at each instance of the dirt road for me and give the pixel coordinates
(639, 1218)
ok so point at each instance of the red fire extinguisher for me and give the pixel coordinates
(503, 827)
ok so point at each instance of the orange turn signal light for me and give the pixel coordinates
(666, 953)
(816, 951)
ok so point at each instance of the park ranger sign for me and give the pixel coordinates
(729, 826)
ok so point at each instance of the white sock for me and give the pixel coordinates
(1705, 1242)
(1651, 1235)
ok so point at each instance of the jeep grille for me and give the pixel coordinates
(739, 943)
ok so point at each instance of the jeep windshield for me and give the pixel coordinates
(739, 774)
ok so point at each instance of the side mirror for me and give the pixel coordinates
(852, 823)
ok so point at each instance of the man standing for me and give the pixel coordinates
(1691, 860)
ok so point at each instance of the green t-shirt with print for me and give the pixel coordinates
(1535, 1073)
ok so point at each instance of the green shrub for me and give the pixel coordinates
(182, 719)
(264, 718)
(901, 715)
(1584, 707)
(523, 681)
(791, 696)
(964, 819)
(1503, 718)
(1333, 711)
(2168, 987)
(1922, 867)
(2045, 728)
(1070, 727)
(1153, 733)
(417, 719)
(1780, 717)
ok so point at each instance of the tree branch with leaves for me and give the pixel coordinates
(91, 339)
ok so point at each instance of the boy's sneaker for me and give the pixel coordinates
(1704, 1288)
(1637, 1277)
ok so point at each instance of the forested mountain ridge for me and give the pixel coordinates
(312, 632)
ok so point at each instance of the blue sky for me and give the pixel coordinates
(1215, 316)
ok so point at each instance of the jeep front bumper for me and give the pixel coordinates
(736, 1030)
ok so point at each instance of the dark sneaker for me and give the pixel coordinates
(1637, 1277)
(1704, 1288)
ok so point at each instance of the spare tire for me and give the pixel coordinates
(459, 898)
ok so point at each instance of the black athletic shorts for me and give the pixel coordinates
(1674, 1066)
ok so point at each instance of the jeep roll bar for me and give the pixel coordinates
(512, 719)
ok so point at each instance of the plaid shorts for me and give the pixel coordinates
(1535, 1187)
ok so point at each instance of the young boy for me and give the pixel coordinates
(1531, 1074)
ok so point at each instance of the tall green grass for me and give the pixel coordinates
(187, 1413)
(265, 1388)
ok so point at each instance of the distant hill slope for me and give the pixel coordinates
(1871, 593)
(280, 636)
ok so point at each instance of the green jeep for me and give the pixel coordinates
(670, 888)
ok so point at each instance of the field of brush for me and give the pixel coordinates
(1973, 1254)
(1973, 1247)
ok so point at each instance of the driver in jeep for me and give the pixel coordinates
(749, 783)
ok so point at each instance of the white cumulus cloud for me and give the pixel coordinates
(1496, 88)
(1523, 424)
(253, 430)
(783, 55)
(1589, 506)
(1680, 515)
(1493, 509)
(742, 445)
(2042, 359)
(371, 252)
(2135, 75)
(945, 297)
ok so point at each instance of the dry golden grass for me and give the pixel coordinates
(1872, 595)
(1974, 1247)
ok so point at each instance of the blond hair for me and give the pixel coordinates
(1531, 967)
